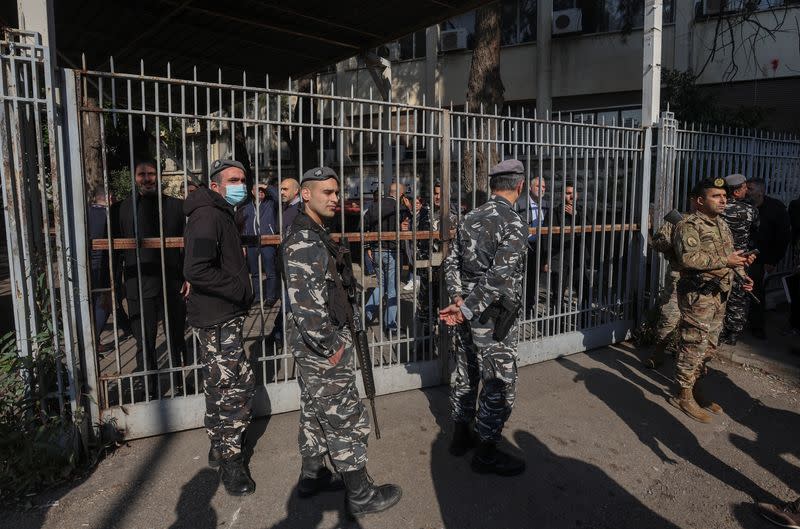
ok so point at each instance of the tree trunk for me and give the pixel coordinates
(92, 149)
(484, 90)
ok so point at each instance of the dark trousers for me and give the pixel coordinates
(153, 308)
(267, 256)
(757, 309)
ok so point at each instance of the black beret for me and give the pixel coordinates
(708, 183)
(319, 174)
(217, 166)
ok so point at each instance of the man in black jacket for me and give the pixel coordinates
(145, 215)
(771, 240)
(220, 295)
(387, 216)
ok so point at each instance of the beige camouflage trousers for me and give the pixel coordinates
(699, 328)
(669, 312)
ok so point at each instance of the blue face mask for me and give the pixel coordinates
(234, 193)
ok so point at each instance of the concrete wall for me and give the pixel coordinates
(600, 67)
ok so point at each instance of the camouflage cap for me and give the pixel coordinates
(735, 180)
(509, 166)
(319, 174)
(217, 166)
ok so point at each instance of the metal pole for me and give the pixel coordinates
(444, 226)
(544, 70)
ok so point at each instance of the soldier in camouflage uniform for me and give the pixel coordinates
(742, 219)
(484, 274)
(669, 312)
(704, 250)
(333, 421)
(218, 300)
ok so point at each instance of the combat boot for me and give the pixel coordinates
(463, 439)
(315, 477)
(685, 402)
(489, 460)
(703, 401)
(234, 477)
(364, 497)
(214, 456)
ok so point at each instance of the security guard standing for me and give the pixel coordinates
(333, 421)
(218, 301)
(484, 274)
(742, 219)
(704, 249)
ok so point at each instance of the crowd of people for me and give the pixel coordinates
(719, 254)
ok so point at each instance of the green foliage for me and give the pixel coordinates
(647, 331)
(39, 442)
(119, 183)
(693, 104)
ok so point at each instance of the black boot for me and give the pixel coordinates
(233, 475)
(489, 460)
(315, 478)
(364, 497)
(214, 456)
(463, 439)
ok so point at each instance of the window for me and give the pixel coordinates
(600, 16)
(413, 46)
(518, 22)
(466, 22)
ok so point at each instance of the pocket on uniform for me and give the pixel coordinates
(690, 334)
(342, 410)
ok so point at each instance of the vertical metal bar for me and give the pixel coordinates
(444, 234)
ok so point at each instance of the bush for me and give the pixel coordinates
(38, 445)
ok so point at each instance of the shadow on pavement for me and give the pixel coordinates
(307, 513)
(194, 508)
(652, 422)
(774, 428)
(554, 492)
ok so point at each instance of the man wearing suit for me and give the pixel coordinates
(532, 208)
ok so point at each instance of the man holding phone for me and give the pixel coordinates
(705, 251)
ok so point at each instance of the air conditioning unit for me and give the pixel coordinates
(714, 7)
(453, 39)
(389, 51)
(567, 21)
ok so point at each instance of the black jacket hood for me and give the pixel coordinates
(202, 197)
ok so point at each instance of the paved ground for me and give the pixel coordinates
(603, 447)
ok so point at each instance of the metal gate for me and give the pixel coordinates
(584, 248)
(689, 153)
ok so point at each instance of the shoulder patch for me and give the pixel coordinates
(691, 241)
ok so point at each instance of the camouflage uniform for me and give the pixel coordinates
(702, 245)
(487, 262)
(229, 385)
(670, 313)
(742, 219)
(332, 418)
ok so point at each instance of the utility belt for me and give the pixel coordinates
(705, 287)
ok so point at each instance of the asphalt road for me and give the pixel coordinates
(604, 450)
